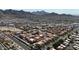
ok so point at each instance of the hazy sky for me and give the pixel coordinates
(60, 11)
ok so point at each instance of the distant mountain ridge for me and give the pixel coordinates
(18, 12)
(40, 13)
(38, 16)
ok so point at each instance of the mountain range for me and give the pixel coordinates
(10, 15)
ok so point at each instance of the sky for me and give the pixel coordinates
(58, 6)
(60, 11)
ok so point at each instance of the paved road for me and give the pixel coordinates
(69, 47)
(2, 47)
(24, 46)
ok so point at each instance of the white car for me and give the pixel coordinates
(60, 47)
(77, 42)
(76, 47)
(73, 35)
(77, 39)
(77, 36)
(68, 39)
(65, 43)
